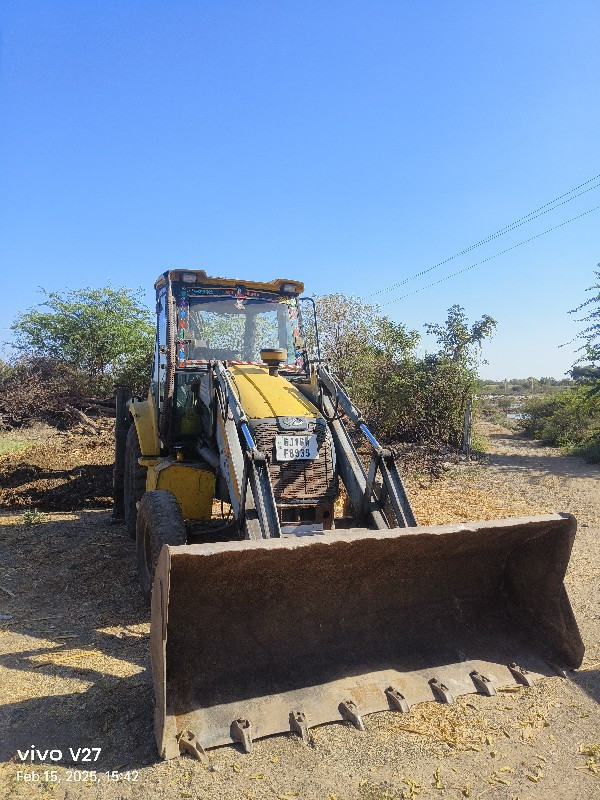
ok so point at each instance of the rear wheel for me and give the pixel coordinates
(159, 522)
(134, 483)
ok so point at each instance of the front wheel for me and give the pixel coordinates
(159, 522)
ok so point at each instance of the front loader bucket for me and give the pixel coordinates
(261, 637)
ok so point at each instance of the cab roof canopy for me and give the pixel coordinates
(198, 277)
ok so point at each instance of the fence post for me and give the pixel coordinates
(122, 423)
(468, 422)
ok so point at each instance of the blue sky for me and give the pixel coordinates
(350, 145)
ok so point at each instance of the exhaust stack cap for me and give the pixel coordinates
(273, 357)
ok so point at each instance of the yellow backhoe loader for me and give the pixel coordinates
(278, 616)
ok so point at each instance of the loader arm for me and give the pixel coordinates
(241, 462)
(361, 486)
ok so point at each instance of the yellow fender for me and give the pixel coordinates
(144, 418)
(193, 485)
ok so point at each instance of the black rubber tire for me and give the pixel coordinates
(159, 522)
(134, 480)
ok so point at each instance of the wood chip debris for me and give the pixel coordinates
(593, 762)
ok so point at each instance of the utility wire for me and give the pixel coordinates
(538, 212)
(483, 261)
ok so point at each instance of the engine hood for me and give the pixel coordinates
(265, 396)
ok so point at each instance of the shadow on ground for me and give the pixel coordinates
(534, 464)
(589, 681)
(88, 485)
(75, 641)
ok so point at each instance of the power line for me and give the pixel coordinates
(483, 261)
(538, 212)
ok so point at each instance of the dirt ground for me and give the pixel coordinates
(58, 470)
(74, 667)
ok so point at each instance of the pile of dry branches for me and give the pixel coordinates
(46, 391)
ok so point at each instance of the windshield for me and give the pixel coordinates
(238, 328)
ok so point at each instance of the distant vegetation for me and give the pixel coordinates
(83, 342)
(571, 418)
(503, 402)
(523, 386)
(566, 412)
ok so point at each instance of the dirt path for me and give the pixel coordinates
(542, 477)
(74, 672)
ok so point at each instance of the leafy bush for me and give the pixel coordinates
(571, 419)
(589, 450)
(480, 444)
(405, 396)
(103, 336)
(568, 419)
(33, 516)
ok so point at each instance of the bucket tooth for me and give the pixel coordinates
(188, 743)
(349, 711)
(241, 731)
(483, 683)
(441, 691)
(299, 725)
(397, 700)
(521, 674)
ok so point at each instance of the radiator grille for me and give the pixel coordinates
(298, 480)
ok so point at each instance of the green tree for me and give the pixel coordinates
(346, 327)
(351, 332)
(406, 397)
(372, 356)
(107, 334)
(585, 374)
(459, 342)
(451, 373)
(382, 377)
(591, 333)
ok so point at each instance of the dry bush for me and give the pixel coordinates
(40, 390)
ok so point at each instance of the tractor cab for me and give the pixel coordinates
(202, 319)
(230, 320)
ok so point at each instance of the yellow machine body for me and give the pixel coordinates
(264, 396)
(192, 484)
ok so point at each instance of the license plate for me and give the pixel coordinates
(292, 448)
